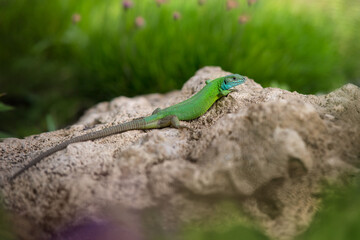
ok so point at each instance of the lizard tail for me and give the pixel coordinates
(132, 125)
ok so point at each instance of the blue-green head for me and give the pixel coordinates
(232, 80)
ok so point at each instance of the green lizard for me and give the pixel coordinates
(189, 109)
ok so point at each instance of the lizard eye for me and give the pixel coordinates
(234, 78)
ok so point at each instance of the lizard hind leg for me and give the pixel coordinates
(175, 122)
(170, 121)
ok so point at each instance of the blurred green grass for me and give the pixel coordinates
(5, 226)
(54, 66)
(338, 219)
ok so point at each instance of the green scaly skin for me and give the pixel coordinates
(189, 109)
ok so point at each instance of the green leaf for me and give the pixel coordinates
(50, 123)
(4, 107)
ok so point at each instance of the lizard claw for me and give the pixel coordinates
(184, 127)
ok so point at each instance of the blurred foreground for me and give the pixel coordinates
(337, 220)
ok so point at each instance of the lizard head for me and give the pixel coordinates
(232, 80)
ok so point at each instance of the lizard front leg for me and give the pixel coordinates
(224, 93)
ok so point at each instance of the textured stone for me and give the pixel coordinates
(265, 148)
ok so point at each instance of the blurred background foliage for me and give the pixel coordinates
(59, 57)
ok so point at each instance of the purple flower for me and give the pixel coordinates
(230, 4)
(127, 4)
(139, 22)
(160, 2)
(243, 19)
(251, 2)
(92, 230)
(75, 18)
(176, 15)
(201, 2)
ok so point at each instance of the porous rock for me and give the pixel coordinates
(267, 149)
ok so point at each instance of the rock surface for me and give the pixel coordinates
(266, 148)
